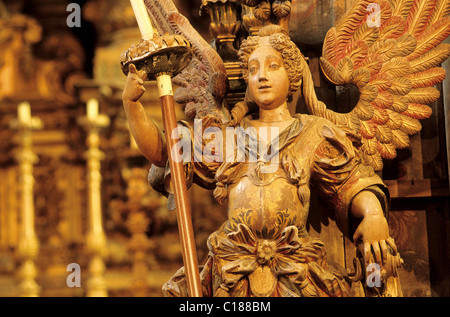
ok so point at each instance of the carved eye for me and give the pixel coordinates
(274, 66)
(253, 69)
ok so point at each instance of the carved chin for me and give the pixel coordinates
(267, 103)
(263, 99)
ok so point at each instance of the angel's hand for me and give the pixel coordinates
(373, 239)
(372, 233)
(134, 85)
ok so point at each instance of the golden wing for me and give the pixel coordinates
(392, 51)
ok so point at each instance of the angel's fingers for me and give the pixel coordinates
(391, 243)
(367, 252)
(357, 237)
(132, 69)
(142, 74)
(377, 252)
(384, 250)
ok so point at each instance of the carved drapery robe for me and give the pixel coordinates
(263, 248)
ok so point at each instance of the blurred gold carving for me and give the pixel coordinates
(96, 239)
(28, 244)
(137, 224)
(22, 72)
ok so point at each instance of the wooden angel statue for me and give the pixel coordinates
(264, 162)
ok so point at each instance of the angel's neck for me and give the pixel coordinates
(279, 114)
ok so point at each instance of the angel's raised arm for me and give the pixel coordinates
(148, 137)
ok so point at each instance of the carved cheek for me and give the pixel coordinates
(282, 81)
(252, 85)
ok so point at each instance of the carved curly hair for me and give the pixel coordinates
(292, 58)
(281, 42)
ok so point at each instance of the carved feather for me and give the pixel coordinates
(401, 8)
(400, 86)
(425, 95)
(410, 125)
(418, 111)
(383, 133)
(380, 115)
(329, 52)
(400, 104)
(367, 130)
(400, 139)
(427, 78)
(387, 150)
(430, 59)
(384, 100)
(395, 120)
(365, 33)
(158, 11)
(441, 10)
(373, 62)
(431, 37)
(370, 146)
(382, 81)
(203, 84)
(396, 67)
(374, 160)
(419, 16)
(393, 28)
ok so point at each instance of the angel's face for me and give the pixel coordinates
(268, 80)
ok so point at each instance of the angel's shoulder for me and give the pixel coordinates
(317, 126)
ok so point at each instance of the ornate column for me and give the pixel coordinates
(250, 21)
(137, 224)
(257, 13)
(225, 24)
(224, 27)
(96, 239)
(139, 210)
(28, 245)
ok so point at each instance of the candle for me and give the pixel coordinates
(24, 112)
(92, 108)
(143, 20)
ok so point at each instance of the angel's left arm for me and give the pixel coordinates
(356, 194)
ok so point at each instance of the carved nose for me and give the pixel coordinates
(262, 74)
